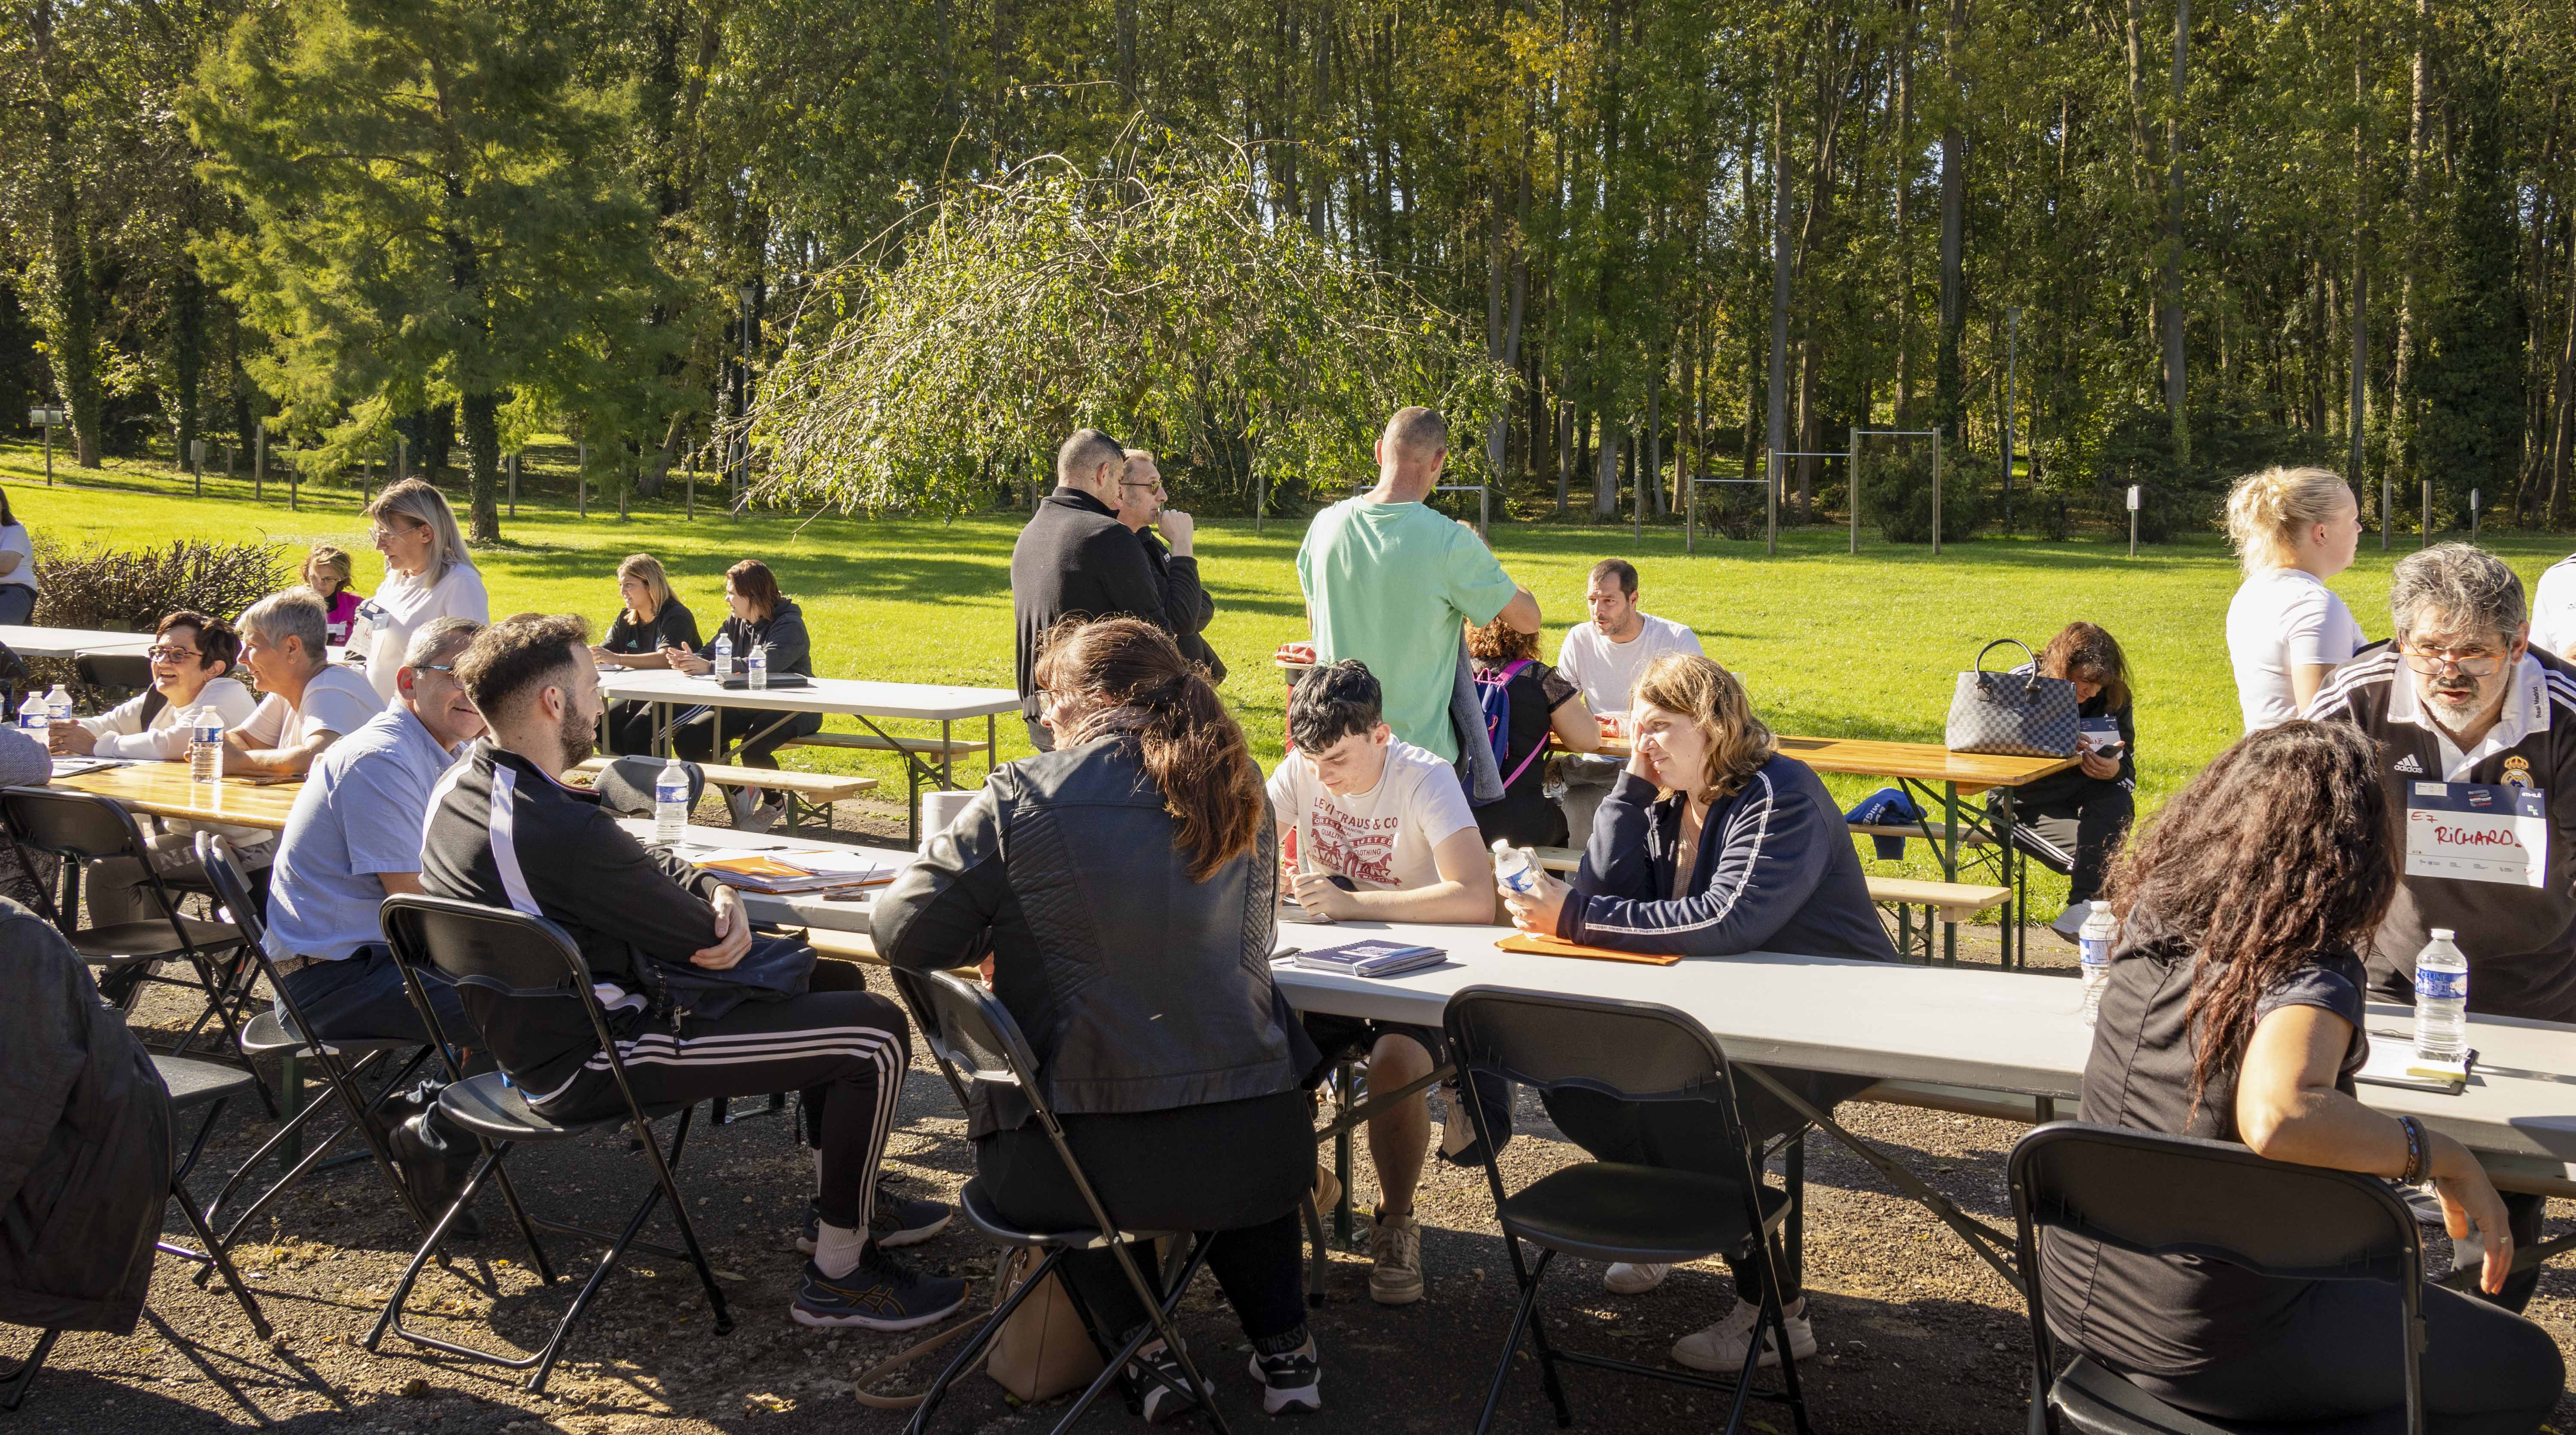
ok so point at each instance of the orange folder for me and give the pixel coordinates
(1558, 947)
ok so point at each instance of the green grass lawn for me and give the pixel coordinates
(1829, 643)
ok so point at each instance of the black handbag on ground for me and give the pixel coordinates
(2017, 714)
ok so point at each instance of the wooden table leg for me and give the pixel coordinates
(1950, 866)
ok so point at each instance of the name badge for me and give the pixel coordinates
(2474, 832)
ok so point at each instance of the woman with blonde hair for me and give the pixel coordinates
(1711, 844)
(427, 577)
(2293, 528)
(651, 625)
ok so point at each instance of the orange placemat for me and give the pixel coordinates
(1558, 947)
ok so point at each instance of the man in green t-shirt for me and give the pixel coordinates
(1395, 585)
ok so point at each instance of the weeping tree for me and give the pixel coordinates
(1149, 298)
(436, 216)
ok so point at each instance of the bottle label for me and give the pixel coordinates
(2441, 985)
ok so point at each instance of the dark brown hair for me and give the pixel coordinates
(1498, 642)
(2281, 850)
(2084, 652)
(508, 659)
(1619, 568)
(1330, 703)
(216, 640)
(753, 580)
(1135, 681)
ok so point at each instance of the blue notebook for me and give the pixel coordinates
(1372, 959)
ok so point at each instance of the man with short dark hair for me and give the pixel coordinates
(1372, 828)
(1604, 657)
(1391, 583)
(2477, 743)
(505, 831)
(1075, 557)
(1185, 599)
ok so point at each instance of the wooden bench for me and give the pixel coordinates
(1908, 829)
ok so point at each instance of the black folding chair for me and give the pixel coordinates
(975, 1039)
(81, 827)
(192, 1085)
(118, 675)
(270, 1033)
(1612, 1211)
(2183, 1196)
(625, 786)
(525, 958)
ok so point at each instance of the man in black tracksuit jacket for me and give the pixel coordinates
(505, 832)
(1076, 558)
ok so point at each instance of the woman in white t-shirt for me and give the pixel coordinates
(427, 576)
(2293, 528)
(17, 567)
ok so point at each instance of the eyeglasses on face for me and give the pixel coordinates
(164, 653)
(2470, 662)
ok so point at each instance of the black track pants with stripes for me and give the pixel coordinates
(845, 1050)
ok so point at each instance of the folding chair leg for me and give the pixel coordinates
(527, 1224)
(15, 1380)
(222, 1263)
(1159, 1322)
(1521, 1322)
(669, 1185)
(1547, 1371)
(965, 1359)
(390, 1318)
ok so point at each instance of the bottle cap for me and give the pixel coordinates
(2443, 934)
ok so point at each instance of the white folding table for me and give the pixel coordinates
(28, 641)
(670, 691)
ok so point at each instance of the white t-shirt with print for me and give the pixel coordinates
(1382, 838)
(1607, 671)
(337, 700)
(403, 606)
(2281, 619)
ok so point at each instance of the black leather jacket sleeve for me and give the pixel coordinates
(939, 913)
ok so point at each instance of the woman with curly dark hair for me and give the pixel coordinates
(2234, 1012)
(2073, 821)
(1125, 888)
(1526, 703)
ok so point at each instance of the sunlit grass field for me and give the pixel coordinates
(1829, 643)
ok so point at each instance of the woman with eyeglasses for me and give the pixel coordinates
(2293, 528)
(428, 575)
(192, 661)
(17, 567)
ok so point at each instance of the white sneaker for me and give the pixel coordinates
(1290, 1383)
(2070, 923)
(1721, 1347)
(1395, 1255)
(1625, 1279)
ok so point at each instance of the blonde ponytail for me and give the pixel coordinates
(2266, 512)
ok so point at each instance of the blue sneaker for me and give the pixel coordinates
(892, 1221)
(882, 1293)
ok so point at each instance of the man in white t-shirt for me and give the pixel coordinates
(1603, 657)
(307, 702)
(1378, 830)
(2553, 609)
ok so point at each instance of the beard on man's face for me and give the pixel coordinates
(577, 737)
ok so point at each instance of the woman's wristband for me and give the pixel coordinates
(2418, 1150)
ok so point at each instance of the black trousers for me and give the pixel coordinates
(697, 740)
(2487, 1371)
(2077, 835)
(1693, 1136)
(1236, 1168)
(845, 1050)
(630, 729)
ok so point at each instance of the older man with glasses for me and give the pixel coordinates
(2477, 741)
(1166, 534)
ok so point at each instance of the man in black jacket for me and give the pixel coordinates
(1075, 557)
(1165, 535)
(505, 831)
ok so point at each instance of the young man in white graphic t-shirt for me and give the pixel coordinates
(1378, 830)
(1603, 657)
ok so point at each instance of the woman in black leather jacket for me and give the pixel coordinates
(1125, 889)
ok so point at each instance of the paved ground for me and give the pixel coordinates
(1916, 1334)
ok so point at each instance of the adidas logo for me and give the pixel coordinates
(2409, 764)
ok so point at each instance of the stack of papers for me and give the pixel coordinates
(1372, 959)
(775, 872)
(75, 766)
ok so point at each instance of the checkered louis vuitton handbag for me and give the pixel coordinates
(2019, 714)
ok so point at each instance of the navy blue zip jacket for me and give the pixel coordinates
(1776, 873)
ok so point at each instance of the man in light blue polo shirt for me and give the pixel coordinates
(354, 838)
(1392, 583)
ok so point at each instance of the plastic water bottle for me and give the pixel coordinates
(2093, 946)
(1513, 870)
(58, 704)
(205, 745)
(722, 656)
(2441, 1000)
(670, 802)
(756, 663)
(34, 715)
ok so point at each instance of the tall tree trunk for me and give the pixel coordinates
(482, 415)
(2410, 311)
(2177, 411)
(1564, 452)
(1650, 475)
(1605, 475)
(2565, 448)
(2357, 417)
(72, 323)
(1904, 223)
(187, 358)
(1776, 426)
(1126, 23)
(1948, 396)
